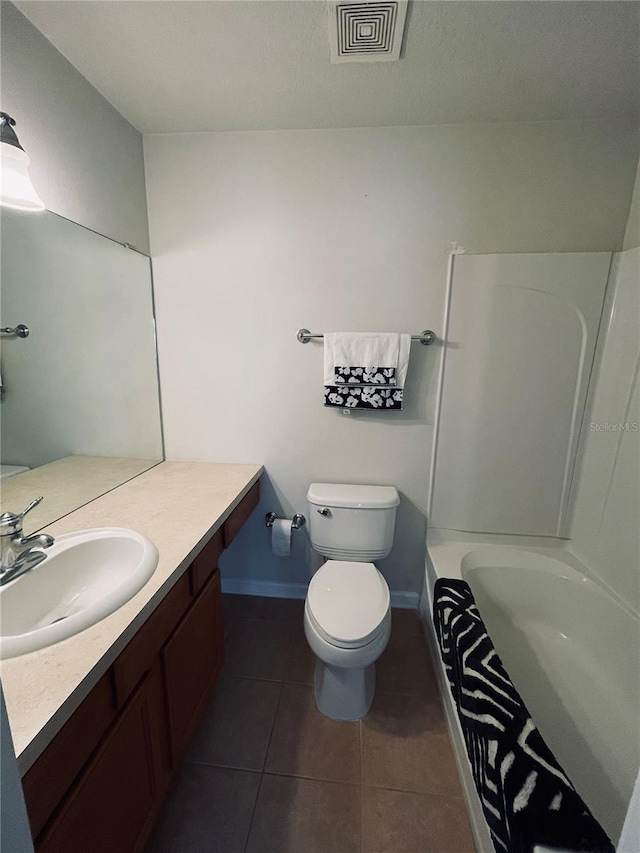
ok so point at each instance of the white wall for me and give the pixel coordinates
(256, 234)
(605, 528)
(630, 839)
(632, 233)
(15, 834)
(86, 159)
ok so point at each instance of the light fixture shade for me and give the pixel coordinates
(16, 189)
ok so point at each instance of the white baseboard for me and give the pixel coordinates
(275, 589)
(268, 589)
(407, 600)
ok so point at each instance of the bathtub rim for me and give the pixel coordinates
(446, 550)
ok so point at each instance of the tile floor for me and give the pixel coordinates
(267, 773)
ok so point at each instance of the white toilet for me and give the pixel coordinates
(347, 614)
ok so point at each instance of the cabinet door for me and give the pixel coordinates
(136, 658)
(113, 805)
(206, 562)
(192, 659)
(49, 779)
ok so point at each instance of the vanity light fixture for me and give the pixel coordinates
(16, 189)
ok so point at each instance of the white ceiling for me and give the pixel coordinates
(264, 64)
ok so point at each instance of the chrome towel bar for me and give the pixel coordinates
(20, 331)
(426, 338)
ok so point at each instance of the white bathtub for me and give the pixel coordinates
(572, 651)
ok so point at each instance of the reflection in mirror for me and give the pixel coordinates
(80, 409)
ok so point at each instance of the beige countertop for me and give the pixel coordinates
(179, 506)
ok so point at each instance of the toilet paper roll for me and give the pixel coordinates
(281, 537)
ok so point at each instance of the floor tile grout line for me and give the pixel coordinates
(267, 680)
(253, 814)
(290, 622)
(252, 678)
(324, 780)
(418, 793)
(273, 726)
(266, 619)
(196, 763)
(281, 773)
(428, 697)
(361, 789)
(262, 772)
(304, 778)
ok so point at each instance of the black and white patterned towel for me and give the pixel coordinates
(363, 397)
(364, 375)
(526, 796)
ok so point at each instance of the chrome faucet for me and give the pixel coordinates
(17, 554)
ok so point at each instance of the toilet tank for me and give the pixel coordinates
(352, 522)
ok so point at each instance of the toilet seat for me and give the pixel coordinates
(347, 603)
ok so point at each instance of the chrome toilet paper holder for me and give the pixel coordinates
(296, 522)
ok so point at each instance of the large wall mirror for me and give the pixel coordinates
(80, 405)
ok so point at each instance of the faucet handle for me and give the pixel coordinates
(11, 522)
(34, 503)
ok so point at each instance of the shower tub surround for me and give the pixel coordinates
(571, 650)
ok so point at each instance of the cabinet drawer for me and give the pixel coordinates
(191, 661)
(113, 804)
(137, 656)
(56, 769)
(206, 562)
(240, 514)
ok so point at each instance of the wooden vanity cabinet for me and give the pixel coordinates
(206, 562)
(241, 513)
(189, 672)
(136, 658)
(47, 781)
(113, 804)
(99, 785)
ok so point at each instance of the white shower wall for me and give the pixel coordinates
(605, 529)
(632, 231)
(520, 344)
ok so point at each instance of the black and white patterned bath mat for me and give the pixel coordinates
(526, 796)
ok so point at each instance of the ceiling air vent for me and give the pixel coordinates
(366, 32)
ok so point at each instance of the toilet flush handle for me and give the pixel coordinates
(326, 512)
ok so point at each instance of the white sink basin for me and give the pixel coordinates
(86, 576)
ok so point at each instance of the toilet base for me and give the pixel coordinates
(344, 694)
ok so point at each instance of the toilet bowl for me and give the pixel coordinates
(347, 616)
(347, 622)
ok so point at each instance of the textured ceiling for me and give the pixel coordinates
(265, 64)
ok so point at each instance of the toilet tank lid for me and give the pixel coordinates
(354, 497)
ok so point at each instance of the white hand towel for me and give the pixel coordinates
(361, 349)
(404, 351)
